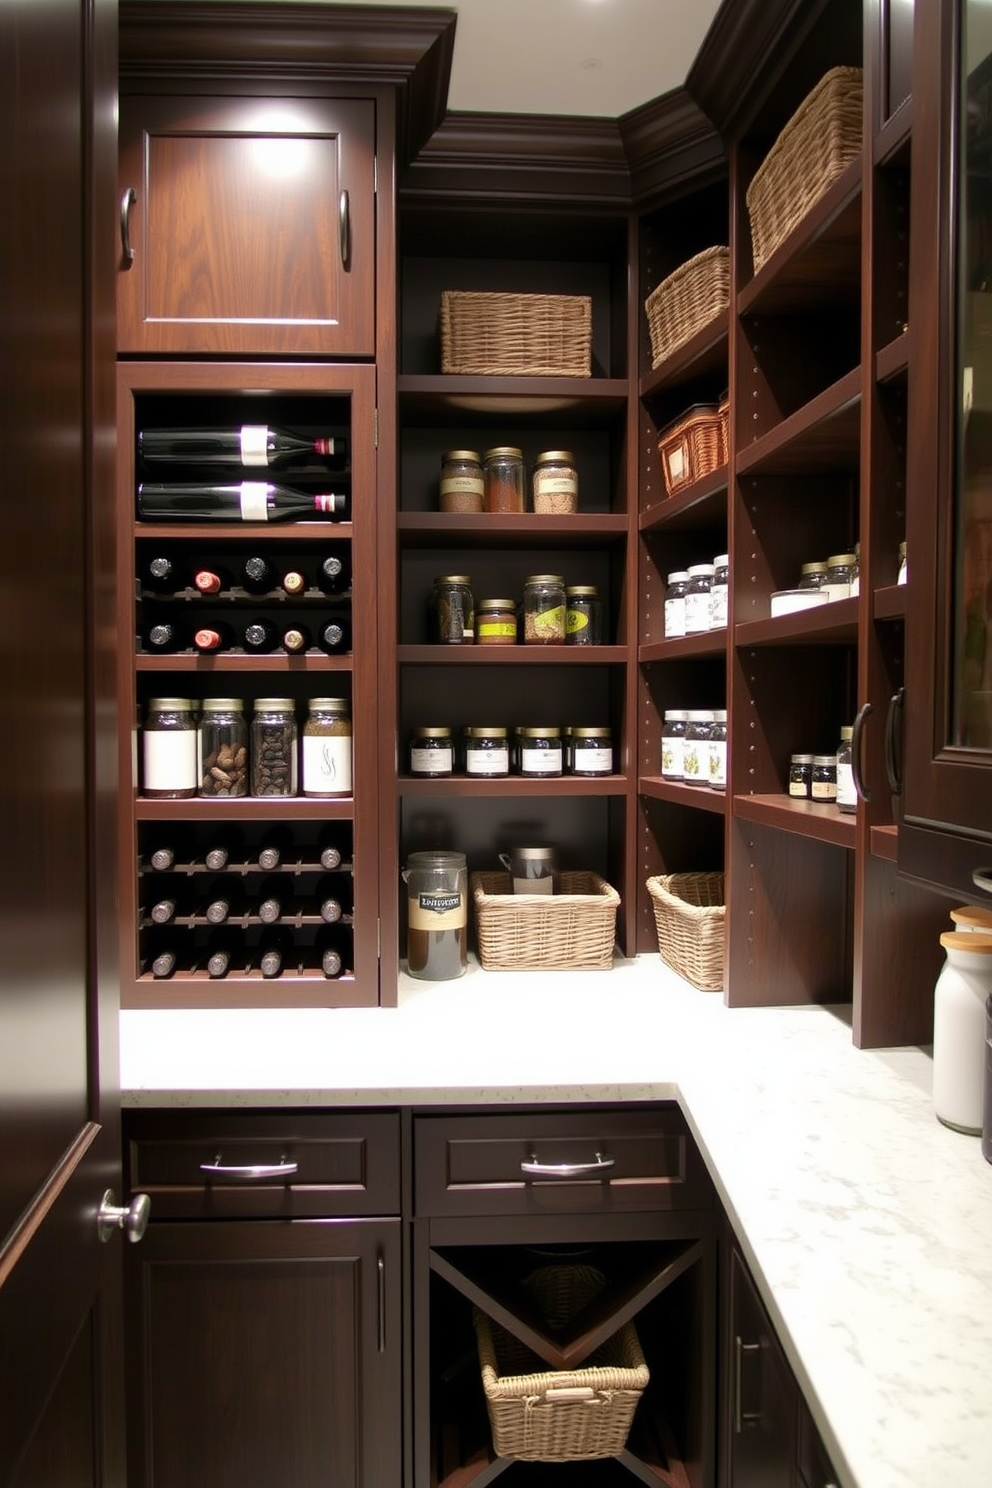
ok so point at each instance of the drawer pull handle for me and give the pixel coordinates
(380, 1267)
(281, 1169)
(128, 199)
(344, 229)
(537, 1169)
(741, 1416)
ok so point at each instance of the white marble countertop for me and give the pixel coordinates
(867, 1224)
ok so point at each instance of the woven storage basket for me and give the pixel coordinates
(515, 335)
(693, 446)
(689, 916)
(822, 136)
(539, 1414)
(574, 928)
(686, 301)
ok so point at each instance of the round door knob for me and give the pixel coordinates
(131, 1218)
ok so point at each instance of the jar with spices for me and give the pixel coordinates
(591, 751)
(583, 615)
(432, 752)
(719, 592)
(801, 776)
(462, 487)
(840, 569)
(823, 778)
(847, 795)
(812, 576)
(544, 610)
(327, 754)
(675, 592)
(555, 483)
(437, 915)
(451, 611)
(673, 743)
(496, 622)
(274, 747)
(223, 748)
(169, 749)
(717, 775)
(487, 752)
(503, 473)
(540, 752)
(697, 598)
(695, 751)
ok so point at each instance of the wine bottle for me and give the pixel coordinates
(274, 847)
(330, 909)
(328, 852)
(251, 501)
(223, 848)
(331, 951)
(257, 574)
(296, 639)
(293, 581)
(260, 635)
(162, 856)
(221, 903)
(163, 574)
(214, 637)
(333, 574)
(274, 951)
(273, 898)
(162, 911)
(164, 963)
(165, 636)
(333, 637)
(222, 947)
(211, 580)
(252, 444)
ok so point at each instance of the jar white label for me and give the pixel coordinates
(487, 761)
(846, 793)
(254, 507)
(170, 759)
(432, 761)
(254, 444)
(672, 752)
(453, 485)
(437, 912)
(697, 613)
(823, 790)
(674, 617)
(554, 485)
(718, 763)
(692, 763)
(540, 761)
(718, 606)
(326, 765)
(594, 759)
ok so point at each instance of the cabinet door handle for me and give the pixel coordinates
(741, 1416)
(128, 199)
(893, 741)
(282, 1169)
(982, 879)
(537, 1169)
(381, 1302)
(344, 229)
(857, 749)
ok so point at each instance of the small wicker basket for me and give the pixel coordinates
(573, 929)
(538, 1414)
(686, 301)
(694, 446)
(822, 136)
(689, 916)
(515, 335)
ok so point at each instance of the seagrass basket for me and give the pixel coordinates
(492, 334)
(693, 446)
(686, 301)
(573, 929)
(822, 136)
(689, 917)
(539, 1414)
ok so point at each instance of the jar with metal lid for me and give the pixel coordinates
(697, 598)
(823, 778)
(840, 569)
(847, 796)
(555, 483)
(222, 744)
(540, 752)
(274, 747)
(812, 576)
(544, 610)
(462, 487)
(327, 752)
(673, 743)
(169, 762)
(903, 572)
(503, 474)
(451, 611)
(487, 752)
(583, 615)
(717, 754)
(856, 572)
(801, 776)
(432, 751)
(437, 915)
(591, 751)
(675, 591)
(719, 592)
(496, 622)
(695, 750)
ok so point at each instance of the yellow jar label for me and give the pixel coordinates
(488, 628)
(549, 622)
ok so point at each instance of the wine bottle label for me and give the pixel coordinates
(254, 503)
(326, 765)
(254, 444)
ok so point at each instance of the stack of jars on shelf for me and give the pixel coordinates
(694, 747)
(496, 751)
(696, 598)
(827, 778)
(551, 613)
(496, 482)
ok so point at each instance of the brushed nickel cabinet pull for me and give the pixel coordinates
(282, 1169)
(537, 1169)
(344, 229)
(128, 199)
(381, 1295)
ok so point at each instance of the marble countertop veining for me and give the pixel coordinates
(867, 1224)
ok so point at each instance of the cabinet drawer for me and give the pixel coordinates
(560, 1161)
(227, 1165)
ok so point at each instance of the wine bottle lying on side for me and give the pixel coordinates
(248, 501)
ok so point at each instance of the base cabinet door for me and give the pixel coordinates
(265, 1352)
(761, 1398)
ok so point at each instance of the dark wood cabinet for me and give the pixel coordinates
(247, 225)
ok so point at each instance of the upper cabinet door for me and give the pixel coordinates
(247, 226)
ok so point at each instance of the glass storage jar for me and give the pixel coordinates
(719, 592)
(591, 751)
(327, 752)
(583, 615)
(462, 487)
(487, 752)
(544, 610)
(695, 751)
(717, 756)
(812, 576)
(673, 743)
(274, 747)
(169, 766)
(675, 591)
(840, 570)
(847, 796)
(222, 744)
(801, 776)
(823, 778)
(437, 915)
(555, 483)
(697, 598)
(503, 473)
(540, 752)
(432, 751)
(496, 622)
(451, 611)
(856, 572)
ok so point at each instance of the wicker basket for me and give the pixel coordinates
(538, 1414)
(515, 335)
(689, 917)
(694, 446)
(822, 136)
(574, 928)
(686, 301)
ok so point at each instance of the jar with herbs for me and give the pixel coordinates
(544, 610)
(673, 743)
(503, 471)
(487, 752)
(717, 754)
(496, 622)
(432, 752)
(840, 570)
(823, 778)
(540, 752)
(274, 747)
(719, 592)
(555, 483)
(462, 486)
(801, 776)
(675, 592)
(451, 611)
(695, 751)
(697, 598)
(169, 749)
(812, 576)
(583, 615)
(591, 751)
(326, 750)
